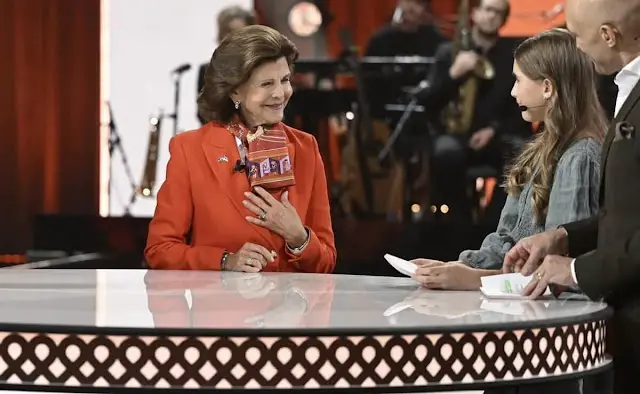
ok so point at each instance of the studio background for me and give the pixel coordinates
(147, 40)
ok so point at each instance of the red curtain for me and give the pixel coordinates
(364, 17)
(49, 113)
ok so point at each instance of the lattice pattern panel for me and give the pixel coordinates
(310, 362)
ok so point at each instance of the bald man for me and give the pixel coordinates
(601, 255)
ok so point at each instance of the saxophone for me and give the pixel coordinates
(458, 114)
(151, 165)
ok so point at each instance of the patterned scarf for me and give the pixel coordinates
(267, 161)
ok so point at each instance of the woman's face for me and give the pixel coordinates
(530, 93)
(265, 95)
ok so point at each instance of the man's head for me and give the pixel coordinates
(413, 12)
(490, 15)
(606, 30)
(233, 18)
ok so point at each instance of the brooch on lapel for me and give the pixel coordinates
(223, 159)
(625, 130)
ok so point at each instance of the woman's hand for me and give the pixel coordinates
(250, 258)
(278, 216)
(453, 275)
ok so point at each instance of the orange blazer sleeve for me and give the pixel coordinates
(320, 253)
(166, 242)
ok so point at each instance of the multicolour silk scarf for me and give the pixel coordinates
(267, 161)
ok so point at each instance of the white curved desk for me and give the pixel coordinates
(112, 330)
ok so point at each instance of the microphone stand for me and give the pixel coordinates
(177, 76)
(409, 109)
(115, 142)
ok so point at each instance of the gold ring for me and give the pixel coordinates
(539, 275)
(250, 261)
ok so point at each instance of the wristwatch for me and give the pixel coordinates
(300, 248)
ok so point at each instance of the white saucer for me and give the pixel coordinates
(403, 266)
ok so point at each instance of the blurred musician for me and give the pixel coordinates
(495, 116)
(410, 33)
(229, 19)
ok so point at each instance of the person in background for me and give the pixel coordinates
(229, 19)
(249, 191)
(497, 130)
(410, 33)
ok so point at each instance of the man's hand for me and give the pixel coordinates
(527, 254)
(464, 62)
(481, 138)
(554, 270)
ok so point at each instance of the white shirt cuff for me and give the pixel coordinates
(573, 271)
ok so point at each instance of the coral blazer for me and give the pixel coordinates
(202, 196)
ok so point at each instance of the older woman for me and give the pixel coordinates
(250, 191)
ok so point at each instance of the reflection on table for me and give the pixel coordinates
(236, 300)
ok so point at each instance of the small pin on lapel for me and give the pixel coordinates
(223, 159)
(625, 130)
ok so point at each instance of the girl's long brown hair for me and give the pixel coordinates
(574, 111)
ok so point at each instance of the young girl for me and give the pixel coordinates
(555, 180)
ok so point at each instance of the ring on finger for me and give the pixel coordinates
(263, 215)
(539, 275)
(252, 261)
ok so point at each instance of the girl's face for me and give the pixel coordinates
(531, 93)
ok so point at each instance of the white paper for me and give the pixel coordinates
(509, 286)
(403, 266)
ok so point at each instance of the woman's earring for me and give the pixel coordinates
(236, 104)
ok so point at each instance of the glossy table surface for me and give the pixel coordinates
(125, 330)
(213, 300)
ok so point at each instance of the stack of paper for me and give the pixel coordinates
(507, 286)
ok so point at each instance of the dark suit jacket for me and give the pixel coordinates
(608, 245)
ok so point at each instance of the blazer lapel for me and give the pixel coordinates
(217, 145)
(627, 106)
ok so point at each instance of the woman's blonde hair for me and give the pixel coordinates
(574, 111)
